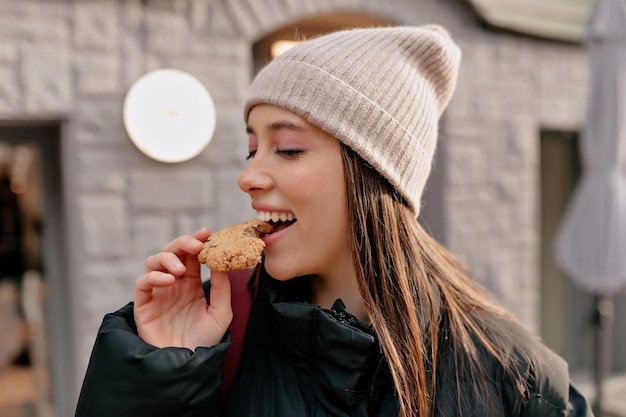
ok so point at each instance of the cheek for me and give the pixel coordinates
(336, 194)
(328, 205)
(323, 191)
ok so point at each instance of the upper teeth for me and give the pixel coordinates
(275, 216)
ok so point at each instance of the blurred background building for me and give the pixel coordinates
(82, 207)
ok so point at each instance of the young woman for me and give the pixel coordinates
(355, 310)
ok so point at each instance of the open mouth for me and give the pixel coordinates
(279, 221)
(279, 225)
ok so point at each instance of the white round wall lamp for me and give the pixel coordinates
(169, 115)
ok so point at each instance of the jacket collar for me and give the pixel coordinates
(340, 352)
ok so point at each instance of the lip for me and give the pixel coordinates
(270, 209)
(267, 207)
(272, 238)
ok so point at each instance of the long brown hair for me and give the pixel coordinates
(416, 293)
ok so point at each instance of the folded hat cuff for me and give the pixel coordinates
(354, 119)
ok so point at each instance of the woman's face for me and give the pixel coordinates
(295, 178)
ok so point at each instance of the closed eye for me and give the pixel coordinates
(289, 153)
(250, 155)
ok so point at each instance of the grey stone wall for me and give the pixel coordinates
(509, 89)
(77, 59)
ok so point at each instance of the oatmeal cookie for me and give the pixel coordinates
(235, 247)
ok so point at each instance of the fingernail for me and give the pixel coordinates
(178, 264)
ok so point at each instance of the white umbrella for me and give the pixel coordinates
(591, 241)
(590, 244)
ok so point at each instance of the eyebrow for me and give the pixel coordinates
(280, 125)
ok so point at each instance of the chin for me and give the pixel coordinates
(279, 272)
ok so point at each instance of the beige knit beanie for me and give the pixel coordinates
(380, 91)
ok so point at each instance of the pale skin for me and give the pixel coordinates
(170, 307)
(289, 158)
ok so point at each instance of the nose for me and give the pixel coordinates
(255, 177)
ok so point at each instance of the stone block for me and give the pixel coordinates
(461, 107)
(235, 52)
(188, 223)
(233, 204)
(104, 222)
(471, 221)
(562, 86)
(477, 64)
(150, 233)
(510, 272)
(200, 14)
(245, 20)
(46, 79)
(10, 94)
(227, 84)
(133, 58)
(35, 9)
(514, 147)
(457, 196)
(492, 105)
(8, 52)
(156, 61)
(465, 162)
(166, 33)
(229, 146)
(499, 274)
(462, 130)
(500, 219)
(86, 332)
(171, 188)
(268, 14)
(132, 15)
(102, 171)
(98, 75)
(96, 25)
(222, 23)
(523, 98)
(525, 210)
(35, 30)
(97, 123)
(106, 287)
(529, 276)
(169, 6)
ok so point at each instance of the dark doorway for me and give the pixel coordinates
(566, 311)
(30, 254)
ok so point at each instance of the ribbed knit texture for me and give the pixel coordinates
(381, 91)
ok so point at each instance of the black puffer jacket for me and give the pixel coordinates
(297, 360)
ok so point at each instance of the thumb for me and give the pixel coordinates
(219, 296)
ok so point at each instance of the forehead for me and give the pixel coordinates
(263, 115)
(264, 118)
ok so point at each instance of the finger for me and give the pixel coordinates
(147, 282)
(202, 235)
(165, 262)
(219, 297)
(192, 264)
(184, 245)
(186, 248)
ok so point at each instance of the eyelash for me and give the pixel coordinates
(287, 153)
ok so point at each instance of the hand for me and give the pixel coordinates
(170, 307)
